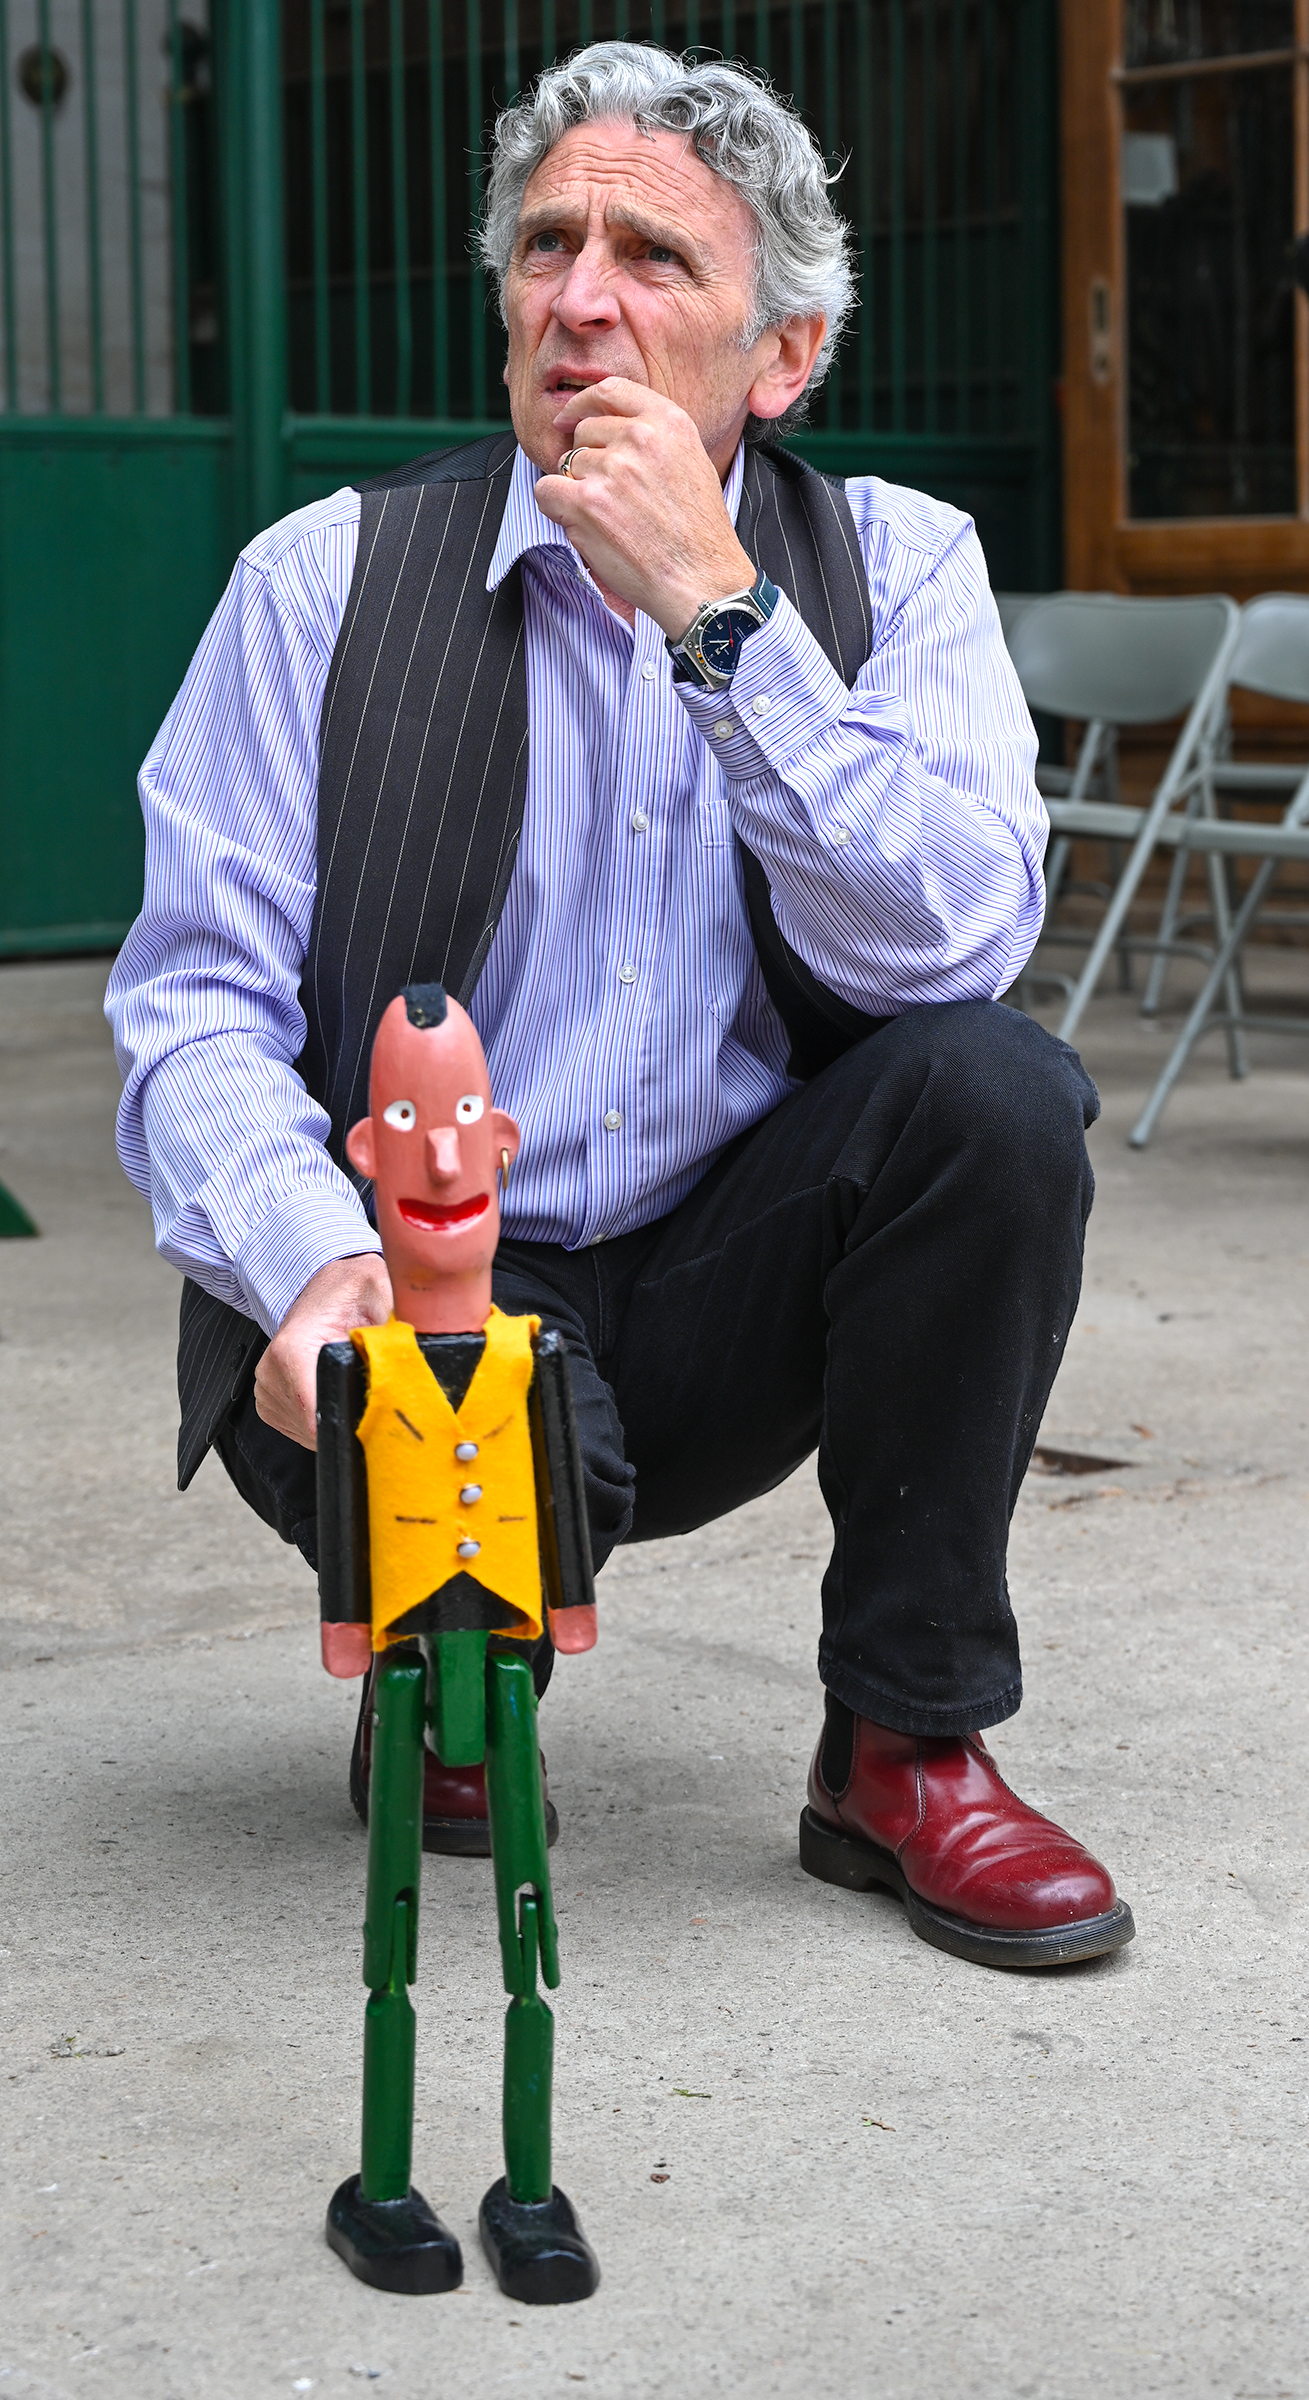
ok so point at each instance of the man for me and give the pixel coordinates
(707, 786)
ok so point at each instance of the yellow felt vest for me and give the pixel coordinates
(416, 1519)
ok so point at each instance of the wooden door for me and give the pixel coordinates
(1186, 331)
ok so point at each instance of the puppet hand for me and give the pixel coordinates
(345, 1293)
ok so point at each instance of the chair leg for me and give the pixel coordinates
(1238, 1061)
(1154, 986)
(1195, 1023)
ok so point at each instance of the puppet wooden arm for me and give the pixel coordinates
(344, 1591)
(561, 1499)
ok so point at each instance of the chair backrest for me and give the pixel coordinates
(1092, 655)
(1272, 647)
(1012, 606)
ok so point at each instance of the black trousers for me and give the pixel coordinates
(886, 1269)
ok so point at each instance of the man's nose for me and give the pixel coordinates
(443, 1153)
(586, 297)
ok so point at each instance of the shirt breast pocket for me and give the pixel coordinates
(714, 824)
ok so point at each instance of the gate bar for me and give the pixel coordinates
(135, 268)
(404, 337)
(180, 218)
(440, 279)
(359, 179)
(49, 217)
(95, 319)
(7, 224)
(318, 153)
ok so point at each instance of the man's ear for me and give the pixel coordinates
(783, 377)
(360, 1147)
(505, 1135)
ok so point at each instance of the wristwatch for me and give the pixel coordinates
(708, 650)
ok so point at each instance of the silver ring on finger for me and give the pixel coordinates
(565, 466)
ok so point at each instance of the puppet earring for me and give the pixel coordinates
(504, 1174)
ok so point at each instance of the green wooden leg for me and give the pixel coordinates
(528, 2226)
(376, 2221)
(395, 1851)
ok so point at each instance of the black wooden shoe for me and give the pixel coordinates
(397, 2245)
(537, 2249)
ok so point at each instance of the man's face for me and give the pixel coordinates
(631, 258)
(432, 1144)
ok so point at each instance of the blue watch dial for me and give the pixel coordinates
(721, 639)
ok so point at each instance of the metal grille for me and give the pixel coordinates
(920, 103)
(104, 116)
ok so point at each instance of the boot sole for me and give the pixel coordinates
(859, 1866)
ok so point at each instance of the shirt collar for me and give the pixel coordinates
(523, 526)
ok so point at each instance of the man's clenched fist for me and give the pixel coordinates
(345, 1293)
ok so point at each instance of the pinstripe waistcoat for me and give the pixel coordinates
(422, 781)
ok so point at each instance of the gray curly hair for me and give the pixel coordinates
(741, 128)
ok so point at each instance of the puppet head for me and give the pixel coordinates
(433, 1145)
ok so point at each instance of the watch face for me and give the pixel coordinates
(720, 642)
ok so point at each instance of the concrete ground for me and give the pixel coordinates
(813, 2154)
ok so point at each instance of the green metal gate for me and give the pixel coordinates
(237, 270)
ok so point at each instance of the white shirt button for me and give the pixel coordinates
(613, 1119)
(471, 1494)
(840, 835)
(464, 1451)
(761, 703)
(467, 1549)
(627, 972)
(647, 673)
(640, 821)
(723, 728)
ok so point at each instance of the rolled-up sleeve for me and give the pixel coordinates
(898, 821)
(215, 1126)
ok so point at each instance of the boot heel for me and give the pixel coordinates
(837, 1858)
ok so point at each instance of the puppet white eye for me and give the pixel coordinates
(469, 1109)
(401, 1114)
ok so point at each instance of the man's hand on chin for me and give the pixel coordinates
(643, 504)
(345, 1293)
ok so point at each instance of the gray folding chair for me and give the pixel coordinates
(1111, 662)
(1271, 656)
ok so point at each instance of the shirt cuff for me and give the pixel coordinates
(302, 1233)
(784, 696)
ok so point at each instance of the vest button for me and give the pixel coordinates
(467, 1549)
(470, 1493)
(465, 1450)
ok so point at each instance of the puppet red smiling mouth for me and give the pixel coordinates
(432, 1216)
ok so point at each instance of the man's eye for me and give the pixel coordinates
(545, 241)
(660, 255)
(469, 1109)
(402, 1114)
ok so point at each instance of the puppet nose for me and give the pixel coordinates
(443, 1153)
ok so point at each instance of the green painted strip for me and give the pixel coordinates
(404, 334)
(962, 345)
(549, 37)
(899, 363)
(7, 224)
(727, 29)
(931, 293)
(991, 188)
(796, 31)
(318, 152)
(511, 49)
(762, 33)
(476, 279)
(440, 281)
(64, 941)
(136, 271)
(178, 217)
(359, 183)
(95, 320)
(49, 211)
(867, 202)
(112, 435)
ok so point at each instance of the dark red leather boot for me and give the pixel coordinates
(454, 1798)
(980, 1873)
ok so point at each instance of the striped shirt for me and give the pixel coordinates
(621, 1006)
